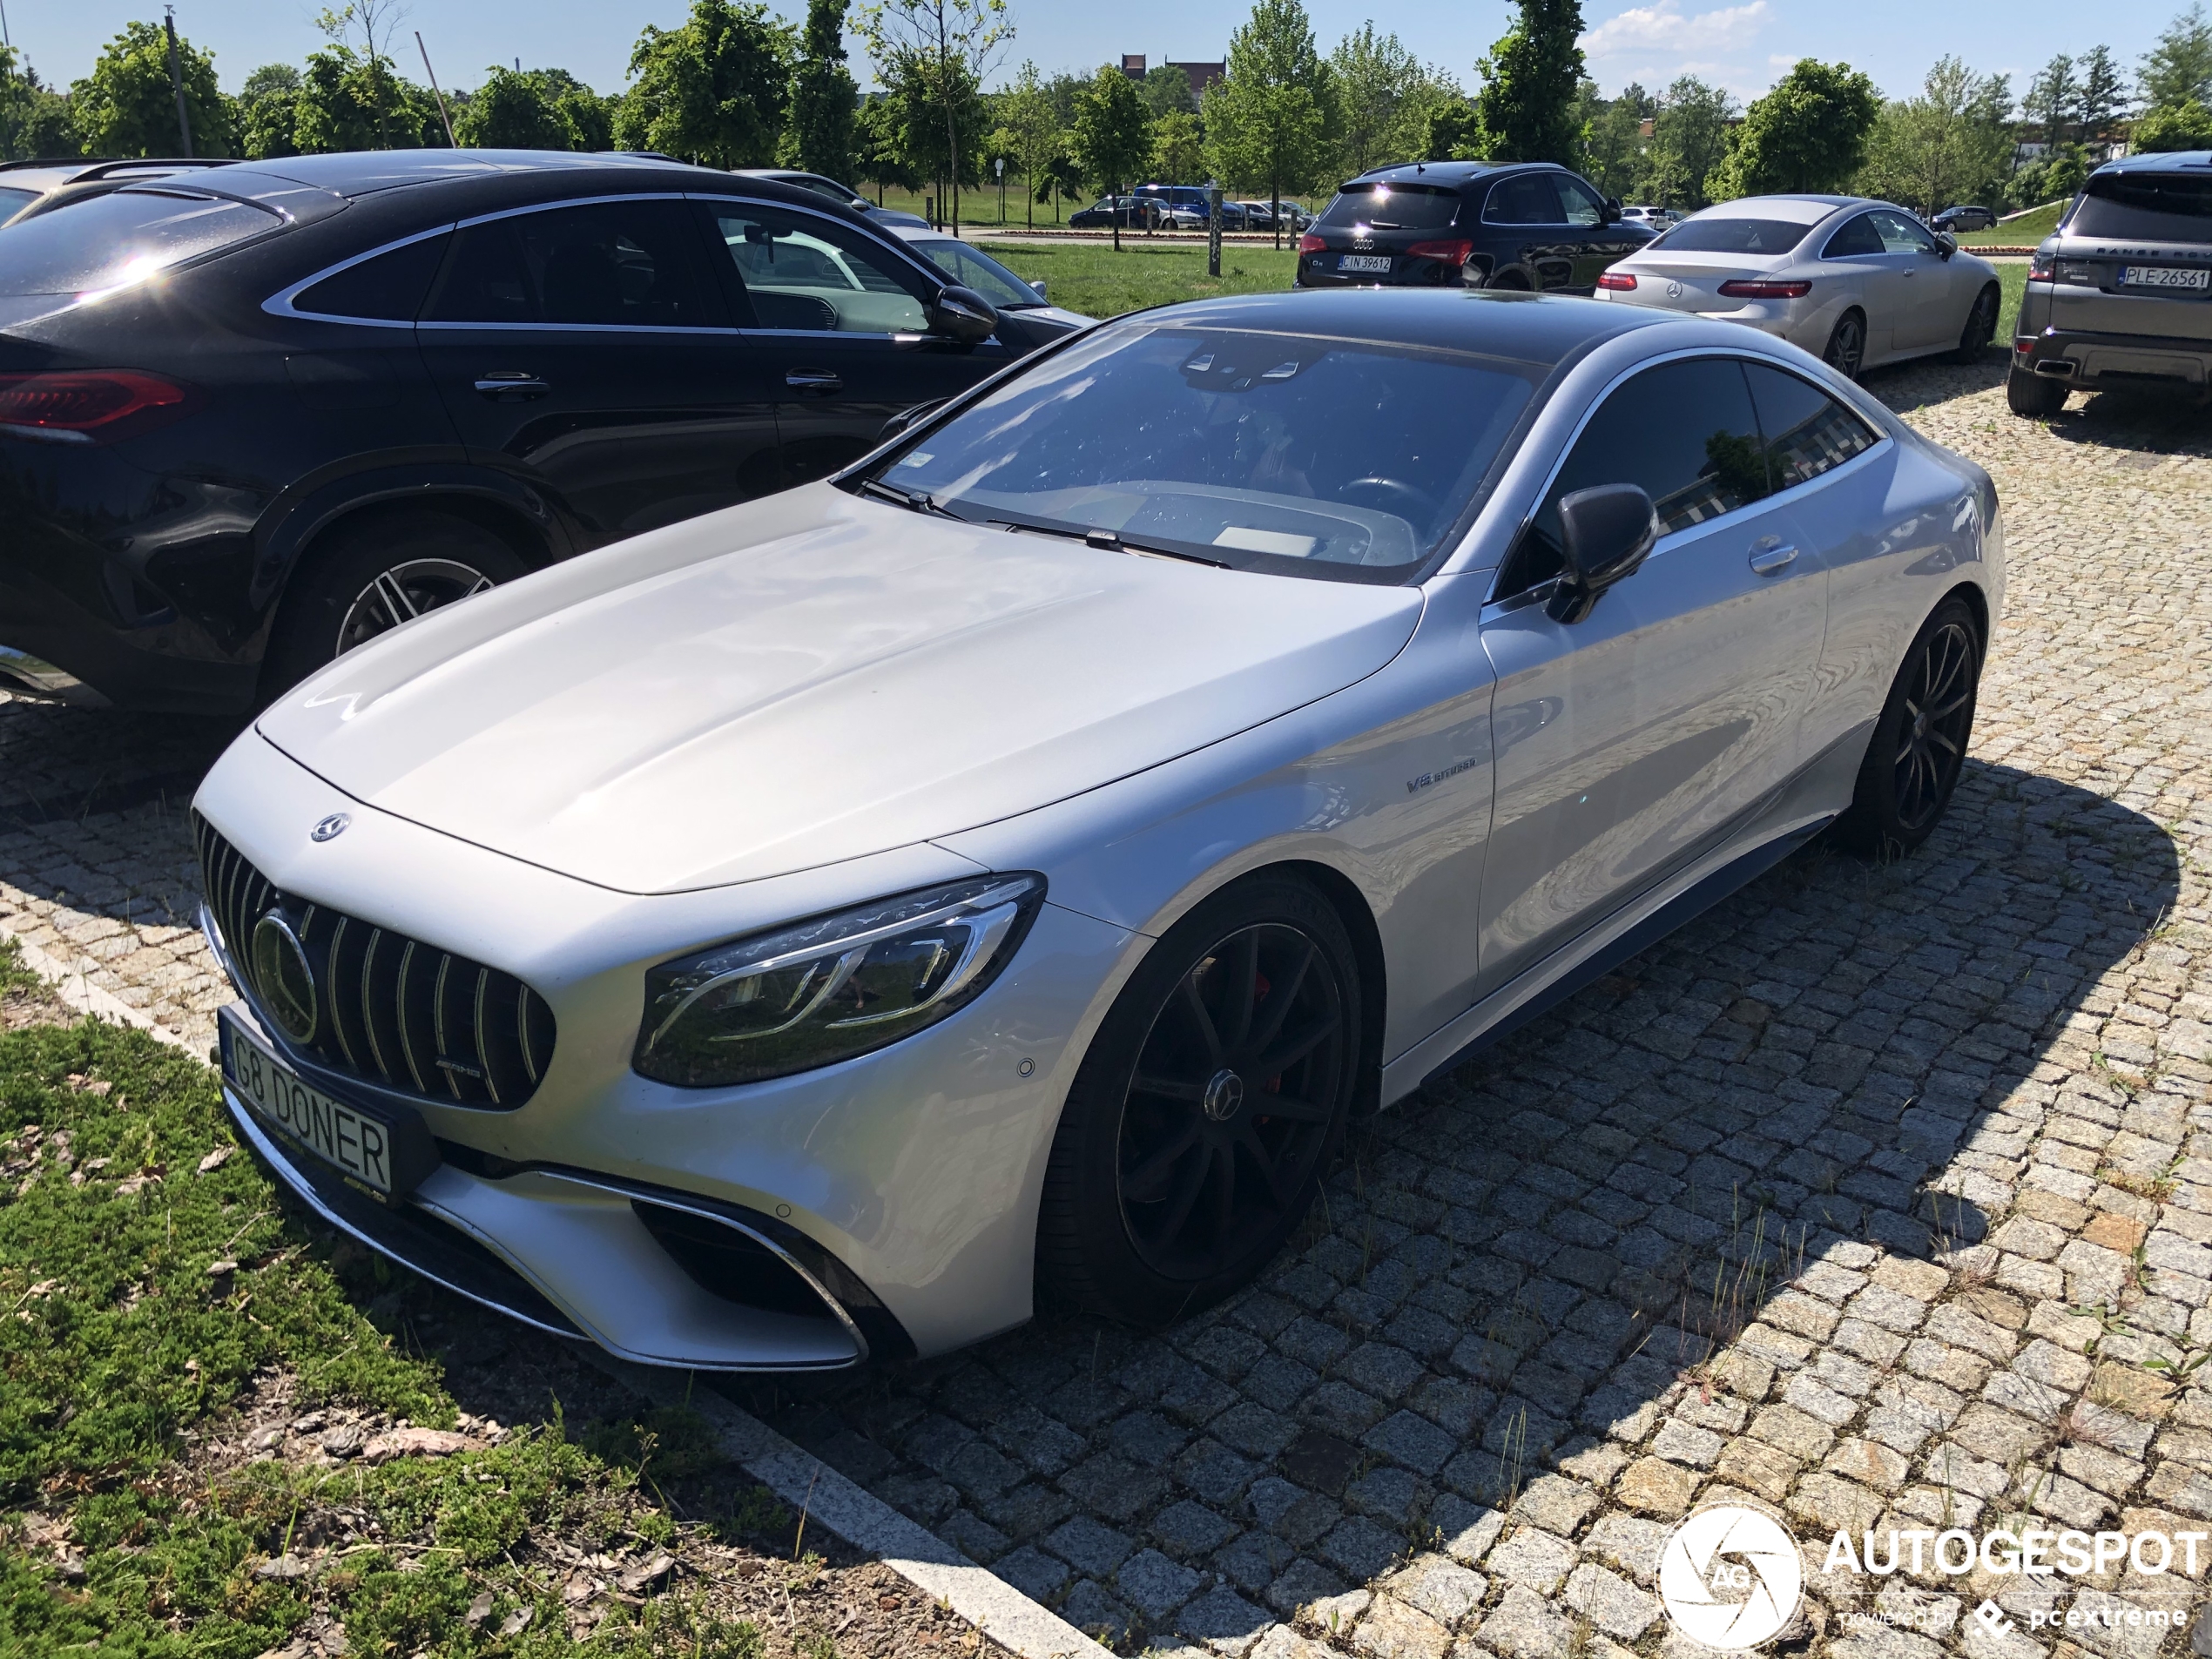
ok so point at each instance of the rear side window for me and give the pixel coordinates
(2155, 206)
(386, 287)
(1392, 207)
(1685, 431)
(14, 201)
(125, 235)
(1737, 236)
(1526, 198)
(1857, 239)
(632, 265)
(1807, 432)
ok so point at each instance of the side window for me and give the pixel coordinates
(1899, 235)
(608, 265)
(1855, 237)
(1525, 198)
(1807, 432)
(1583, 205)
(388, 288)
(1685, 431)
(806, 273)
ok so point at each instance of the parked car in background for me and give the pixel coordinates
(320, 395)
(996, 878)
(30, 187)
(2121, 293)
(1184, 206)
(1855, 282)
(1023, 308)
(1132, 213)
(1958, 220)
(1657, 218)
(1534, 227)
(822, 184)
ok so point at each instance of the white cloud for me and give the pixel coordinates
(1663, 28)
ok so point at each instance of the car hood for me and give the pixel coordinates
(810, 678)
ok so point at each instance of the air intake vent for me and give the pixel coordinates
(387, 1007)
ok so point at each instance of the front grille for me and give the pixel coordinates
(389, 1009)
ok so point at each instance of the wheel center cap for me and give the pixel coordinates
(1224, 1096)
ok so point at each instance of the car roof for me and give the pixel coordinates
(2160, 161)
(1541, 329)
(1794, 210)
(1453, 173)
(361, 172)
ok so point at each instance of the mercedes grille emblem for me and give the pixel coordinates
(284, 977)
(331, 828)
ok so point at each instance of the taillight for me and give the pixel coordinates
(1621, 280)
(91, 405)
(1746, 288)
(2040, 268)
(1452, 252)
(1310, 243)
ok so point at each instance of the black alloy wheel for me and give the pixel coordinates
(1846, 349)
(1919, 743)
(1981, 327)
(405, 591)
(1207, 1108)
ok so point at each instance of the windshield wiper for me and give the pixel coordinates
(918, 501)
(1112, 541)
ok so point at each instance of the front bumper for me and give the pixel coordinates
(2091, 361)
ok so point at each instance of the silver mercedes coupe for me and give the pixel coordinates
(995, 875)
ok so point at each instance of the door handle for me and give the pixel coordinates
(1770, 557)
(813, 380)
(510, 386)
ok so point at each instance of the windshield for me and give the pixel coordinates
(1732, 236)
(2157, 207)
(1287, 453)
(105, 241)
(1391, 207)
(980, 272)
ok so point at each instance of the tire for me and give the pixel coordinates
(2033, 396)
(355, 580)
(1845, 351)
(1508, 283)
(1981, 330)
(1168, 1186)
(1919, 743)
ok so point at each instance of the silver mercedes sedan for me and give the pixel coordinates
(1853, 281)
(997, 874)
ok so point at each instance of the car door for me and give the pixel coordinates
(1924, 319)
(1628, 742)
(840, 320)
(1597, 243)
(1530, 230)
(583, 345)
(1878, 275)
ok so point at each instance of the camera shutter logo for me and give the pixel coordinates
(1730, 1577)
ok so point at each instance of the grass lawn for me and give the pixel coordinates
(2025, 232)
(1096, 280)
(217, 1417)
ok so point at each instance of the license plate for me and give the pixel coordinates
(1379, 263)
(384, 1151)
(2163, 276)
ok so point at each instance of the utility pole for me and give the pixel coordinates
(1213, 230)
(1000, 162)
(177, 78)
(442, 114)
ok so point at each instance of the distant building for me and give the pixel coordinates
(1201, 75)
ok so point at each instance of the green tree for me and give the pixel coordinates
(2186, 126)
(128, 107)
(1528, 98)
(1613, 141)
(938, 53)
(515, 110)
(1167, 90)
(2179, 67)
(1374, 76)
(712, 90)
(1271, 115)
(1178, 147)
(937, 143)
(1689, 143)
(1808, 134)
(269, 109)
(823, 95)
(2051, 95)
(2102, 98)
(878, 152)
(1951, 143)
(1033, 132)
(34, 119)
(1112, 136)
(2054, 176)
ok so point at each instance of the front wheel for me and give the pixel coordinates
(1208, 1108)
(1919, 743)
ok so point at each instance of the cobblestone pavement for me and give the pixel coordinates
(1883, 1196)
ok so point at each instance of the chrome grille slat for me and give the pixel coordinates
(464, 1046)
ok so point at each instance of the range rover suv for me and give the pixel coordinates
(2120, 293)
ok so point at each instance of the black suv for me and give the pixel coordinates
(1530, 227)
(2120, 293)
(252, 416)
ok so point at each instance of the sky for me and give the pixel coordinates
(1743, 47)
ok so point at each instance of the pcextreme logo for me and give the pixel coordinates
(1730, 1577)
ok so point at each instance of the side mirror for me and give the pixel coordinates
(1039, 287)
(1603, 534)
(1612, 210)
(962, 315)
(1946, 244)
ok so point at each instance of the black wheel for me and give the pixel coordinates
(2033, 395)
(1920, 742)
(1207, 1109)
(1845, 351)
(365, 579)
(1981, 330)
(1508, 283)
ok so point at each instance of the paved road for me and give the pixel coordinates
(1870, 1194)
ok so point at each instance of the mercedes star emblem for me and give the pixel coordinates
(284, 977)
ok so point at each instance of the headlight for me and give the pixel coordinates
(828, 989)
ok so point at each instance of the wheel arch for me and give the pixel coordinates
(1976, 601)
(488, 513)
